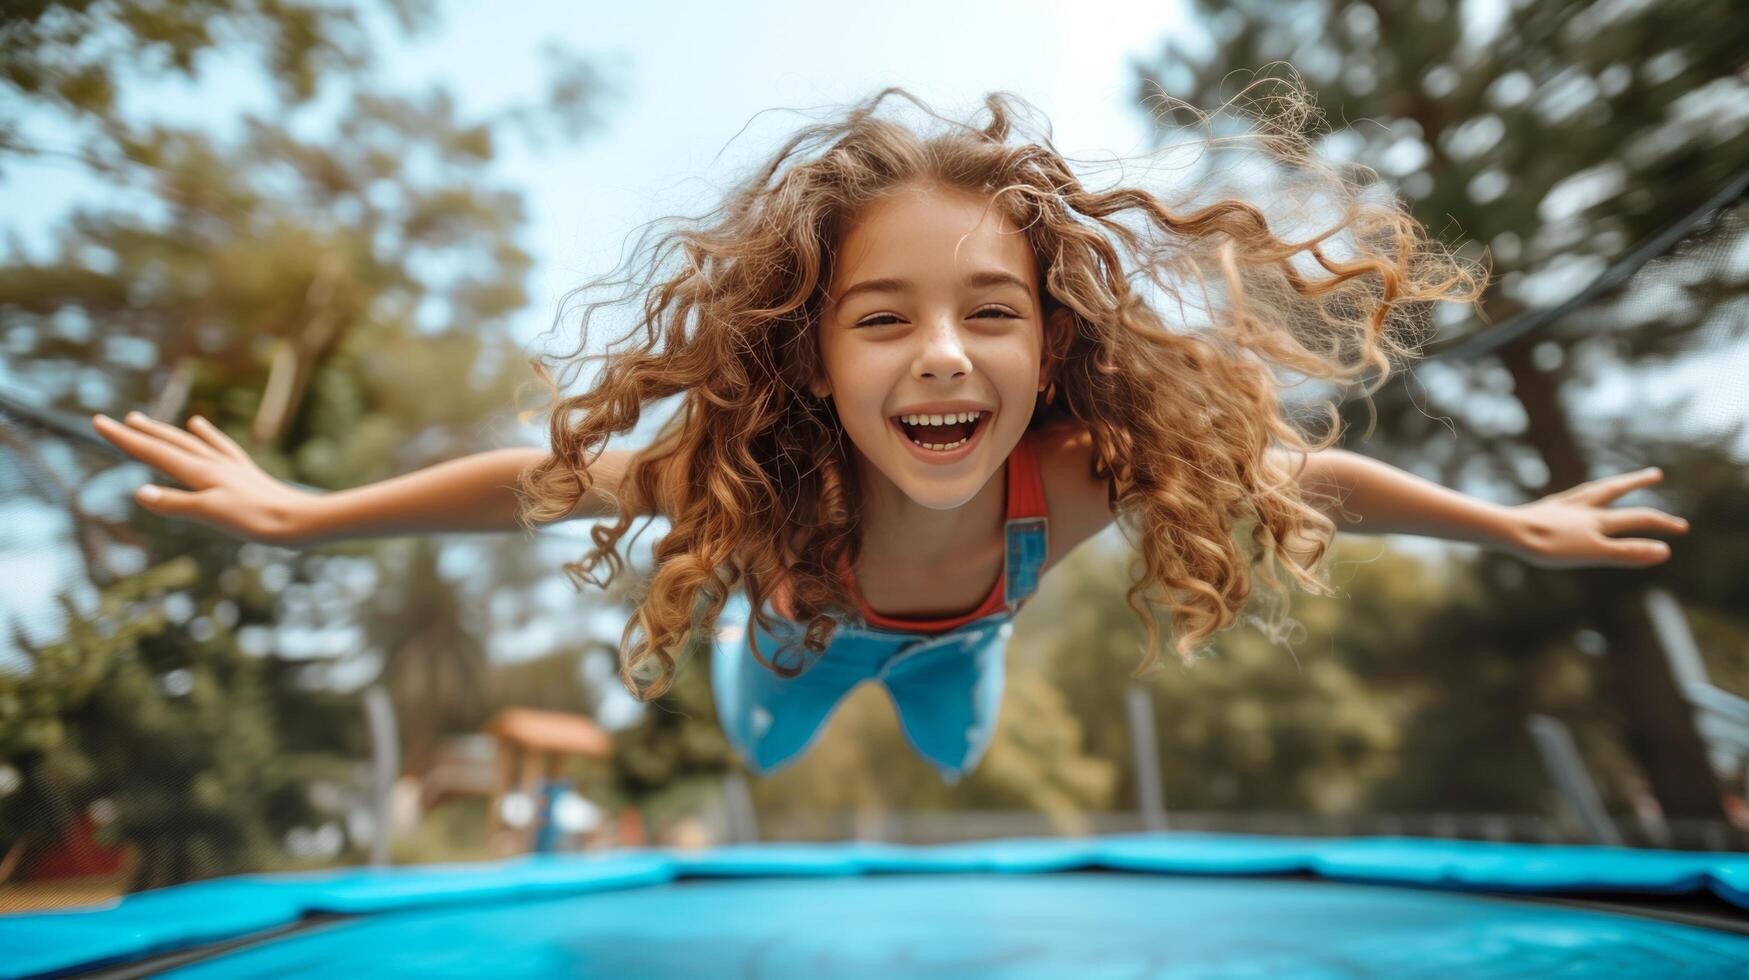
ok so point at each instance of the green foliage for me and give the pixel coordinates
(330, 281)
(1552, 139)
(674, 759)
(200, 758)
(76, 54)
(862, 763)
(554, 682)
(453, 830)
(1255, 726)
(1476, 124)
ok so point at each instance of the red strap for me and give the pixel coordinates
(1026, 484)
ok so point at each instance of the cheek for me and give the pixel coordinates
(859, 389)
(1015, 366)
(838, 370)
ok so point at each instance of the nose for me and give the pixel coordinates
(943, 351)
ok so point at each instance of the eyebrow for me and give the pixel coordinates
(975, 280)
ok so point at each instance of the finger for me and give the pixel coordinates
(166, 458)
(1636, 552)
(1625, 519)
(168, 502)
(216, 438)
(169, 433)
(1610, 487)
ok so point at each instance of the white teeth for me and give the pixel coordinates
(939, 447)
(951, 417)
(940, 419)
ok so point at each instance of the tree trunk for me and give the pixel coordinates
(1660, 724)
(295, 358)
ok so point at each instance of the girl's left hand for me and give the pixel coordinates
(1573, 528)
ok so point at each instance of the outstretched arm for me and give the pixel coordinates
(1572, 528)
(229, 492)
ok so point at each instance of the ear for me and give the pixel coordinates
(820, 387)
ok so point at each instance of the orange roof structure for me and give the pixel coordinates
(551, 731)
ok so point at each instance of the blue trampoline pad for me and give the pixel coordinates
(1077, 924)
(1169, 905)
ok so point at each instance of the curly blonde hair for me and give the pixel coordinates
(755, 477)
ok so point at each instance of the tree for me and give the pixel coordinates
(1557, 136)
(674, 759)
(1252, 727)
(173, 745)
(308, 294)
(1037, 762)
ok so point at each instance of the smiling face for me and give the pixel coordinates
(933, 311)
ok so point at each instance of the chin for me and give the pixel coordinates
(934, 499)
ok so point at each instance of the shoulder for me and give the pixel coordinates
(1078, 502)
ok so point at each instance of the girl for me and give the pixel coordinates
(914, 373)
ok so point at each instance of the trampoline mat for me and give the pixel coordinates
(1075, 924)
(1166, 905)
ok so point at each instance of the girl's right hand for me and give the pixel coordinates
(228, 491)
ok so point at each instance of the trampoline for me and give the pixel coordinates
(1166, 905)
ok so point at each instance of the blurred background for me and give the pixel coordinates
(301, 219)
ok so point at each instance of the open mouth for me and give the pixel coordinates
(941, 433)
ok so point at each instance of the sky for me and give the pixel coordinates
(692, 106)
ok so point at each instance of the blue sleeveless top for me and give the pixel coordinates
(946, 684)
